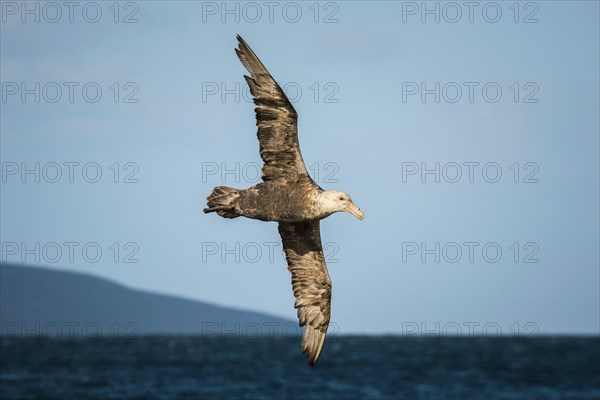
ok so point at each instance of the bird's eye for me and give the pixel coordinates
(341, 198)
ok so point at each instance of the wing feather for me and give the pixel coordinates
(276, 119)
(310, 282)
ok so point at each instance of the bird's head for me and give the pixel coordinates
(335, 201)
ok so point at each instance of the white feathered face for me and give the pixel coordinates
(336, 201)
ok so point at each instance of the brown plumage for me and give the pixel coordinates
(289, 196)
(310, 282)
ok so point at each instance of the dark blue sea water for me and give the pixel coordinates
(188, 367)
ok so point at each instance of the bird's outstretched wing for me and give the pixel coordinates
(310, 282)
(276, 120)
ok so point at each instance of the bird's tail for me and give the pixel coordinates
(221, 201)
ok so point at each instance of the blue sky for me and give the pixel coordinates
(162, 134)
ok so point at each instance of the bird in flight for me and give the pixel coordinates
(290, 197)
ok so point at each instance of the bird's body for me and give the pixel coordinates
(285, 201)
(290, 197)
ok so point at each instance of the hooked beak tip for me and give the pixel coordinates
(352, 209)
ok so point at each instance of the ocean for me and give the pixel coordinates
(351, 367)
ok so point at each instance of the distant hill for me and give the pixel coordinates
(39, 301)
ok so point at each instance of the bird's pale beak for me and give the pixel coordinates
(352, 209)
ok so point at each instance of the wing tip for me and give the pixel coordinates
(242, 45)
(312, 344)
(245, 55)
